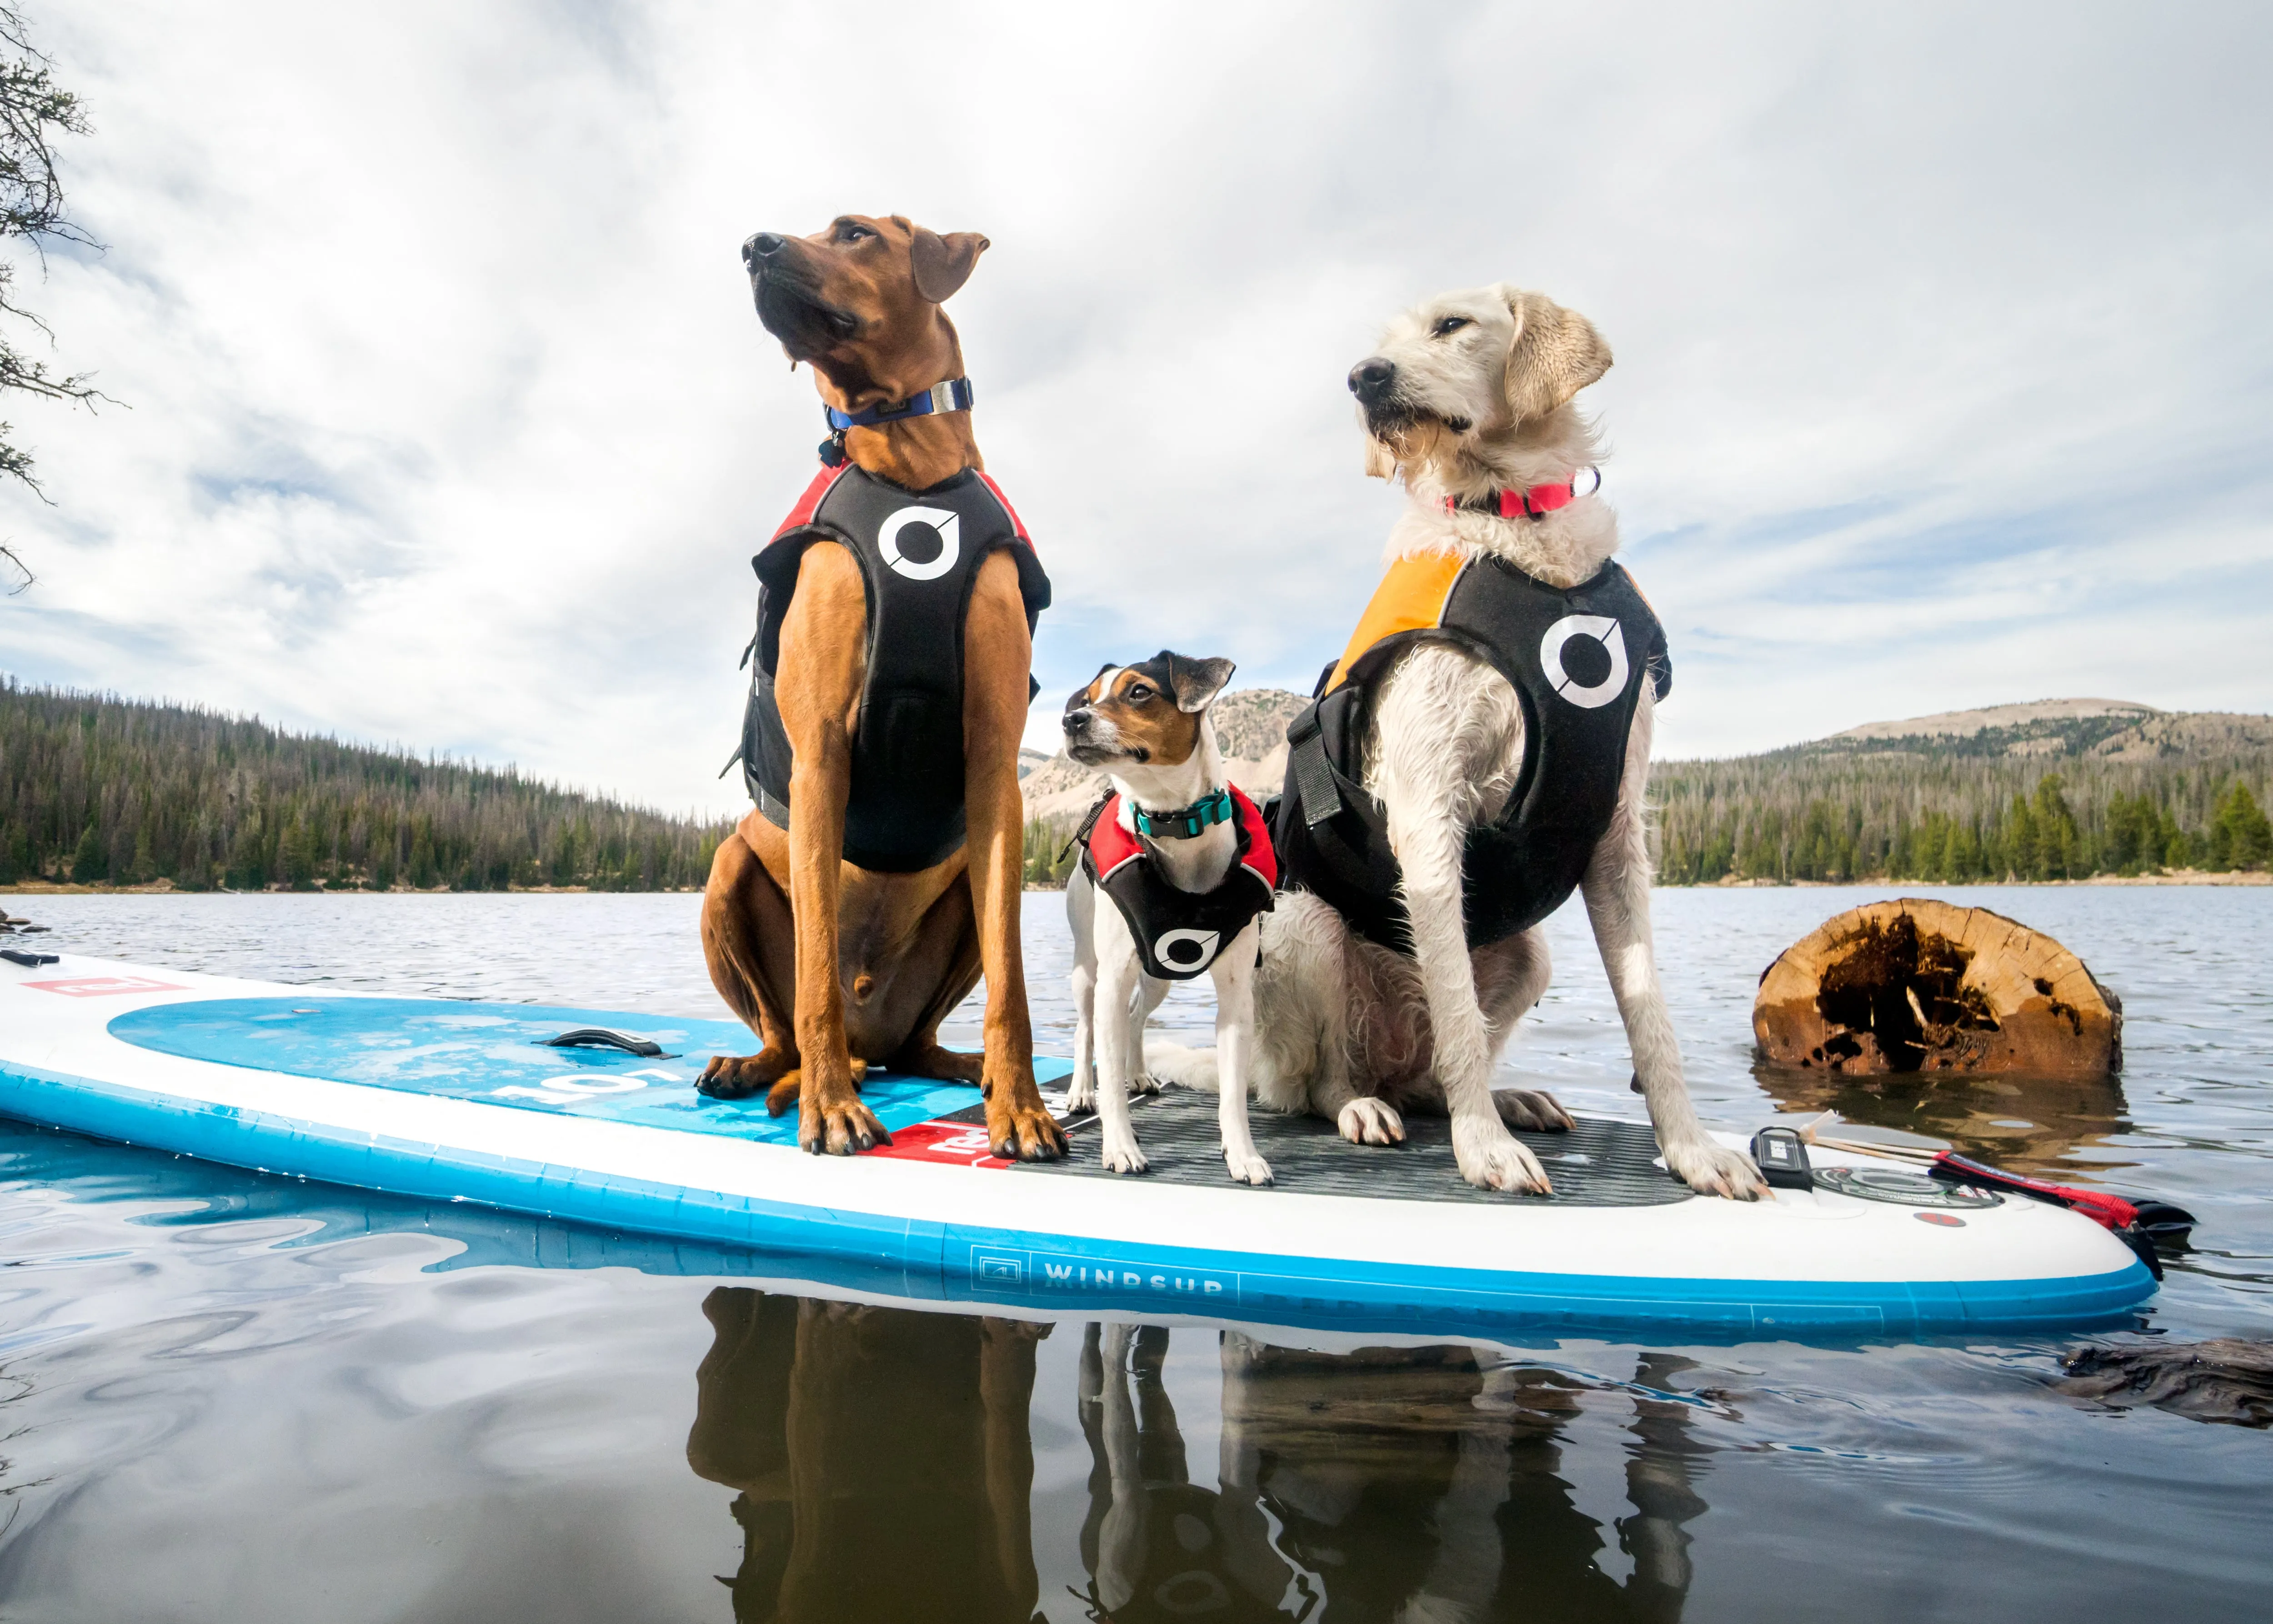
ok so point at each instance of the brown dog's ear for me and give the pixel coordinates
(942, 264)
(1554, 353)
(1196, 681)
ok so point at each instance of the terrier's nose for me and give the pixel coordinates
(1369, 380)
(1078, 721)
(764, 246)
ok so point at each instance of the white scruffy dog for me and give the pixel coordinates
(1147, 726)
(1469, 395)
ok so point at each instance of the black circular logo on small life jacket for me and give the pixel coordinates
(1185, 949)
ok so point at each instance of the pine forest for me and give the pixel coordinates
(95, 789)
(2128, 794)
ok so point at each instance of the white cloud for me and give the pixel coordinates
(1941, 365)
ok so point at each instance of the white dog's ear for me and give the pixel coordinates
(1554, 353)
(1380, 460)
(1197, 682)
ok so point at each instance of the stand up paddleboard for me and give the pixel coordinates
(592, 1116)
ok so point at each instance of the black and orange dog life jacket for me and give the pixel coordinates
(1576, 659)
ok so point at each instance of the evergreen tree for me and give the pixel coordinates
(2240, 837)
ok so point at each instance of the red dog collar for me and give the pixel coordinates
(1535, 503)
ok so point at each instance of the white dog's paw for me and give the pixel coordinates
(1370, 1122)
(1081, 1099)
(1710, 1169)
(1491, 1158)
(1146, 1083)
(1124, 1157)
(1247, 1166)
(1533, 1109)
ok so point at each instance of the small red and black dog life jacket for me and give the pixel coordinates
(1180, 934)
(919, 553)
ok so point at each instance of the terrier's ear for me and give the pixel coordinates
(942, 264)
(1554, 353)
(1196, 681)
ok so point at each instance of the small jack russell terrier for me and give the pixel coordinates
(1188, 865)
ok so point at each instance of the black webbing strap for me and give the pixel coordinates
(1081, 835)
(1313, 775)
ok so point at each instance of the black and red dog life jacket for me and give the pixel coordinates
(1180, 934)
(919, 553)
(1577, 657)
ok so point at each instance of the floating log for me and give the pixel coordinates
(1916, 985)
(2228, 1380)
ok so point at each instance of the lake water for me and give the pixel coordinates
(225, 1397)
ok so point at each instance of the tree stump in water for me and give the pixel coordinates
(1923, 986)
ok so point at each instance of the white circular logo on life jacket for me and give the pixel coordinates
(946, 525)
(1600, 630)
(1184, 949)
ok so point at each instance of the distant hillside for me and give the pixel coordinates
(2057, 789)
(96, 789)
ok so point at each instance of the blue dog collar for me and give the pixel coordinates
(1186, 823)
(953, 396)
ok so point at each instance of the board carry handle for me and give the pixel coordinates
(2137, 1224)
(607, 1037)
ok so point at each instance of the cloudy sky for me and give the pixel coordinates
(1945, 360)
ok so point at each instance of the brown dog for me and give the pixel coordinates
(834, 964)
(883, 1458)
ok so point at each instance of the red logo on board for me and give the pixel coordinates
(103, 985)
(958, 1144)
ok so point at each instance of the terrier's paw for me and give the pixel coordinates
(1491, 1158)
(1534, 1109)
(1124, 1157)
(1711, 1169)
(1370, 1122)
(1247, 1166)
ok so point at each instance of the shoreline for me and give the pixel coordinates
(2175, 876)
(166, 887)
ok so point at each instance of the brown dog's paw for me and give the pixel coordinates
(831, 1119)
(1020, 1127)
(737, 1077)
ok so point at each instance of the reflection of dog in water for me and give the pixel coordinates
(882, 1453)
(1412, 1484)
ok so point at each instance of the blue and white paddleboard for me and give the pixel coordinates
(454, 1100)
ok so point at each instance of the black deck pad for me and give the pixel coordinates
(1598, 1163)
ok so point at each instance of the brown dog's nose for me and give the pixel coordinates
(764, 246)
(1369, 379)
